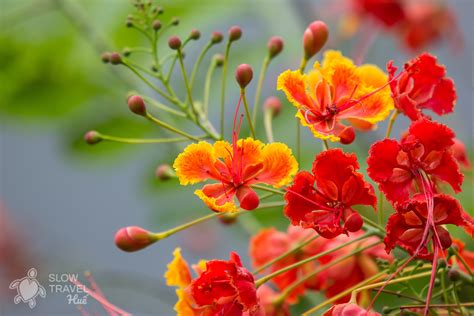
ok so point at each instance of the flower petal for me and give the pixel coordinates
(196, 164)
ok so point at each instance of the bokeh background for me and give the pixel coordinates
(62, 200)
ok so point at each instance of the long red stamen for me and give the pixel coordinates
(319, 206)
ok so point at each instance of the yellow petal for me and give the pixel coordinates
(195, 163)
(212, 203)
(279, 165)
(316, 134)
(178, 273)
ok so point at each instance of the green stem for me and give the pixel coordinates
(224, 78)
(261, 78)
(456, 298)
(169, 127)
(186, 83)
(443, 287)
(399, 294)
(176, 229)
(149, 83)
(308, 276)
(207, 86)
(270, 276)
(163, 107)
(268, 189)
(463, 261)
(325, 144)
(286, 254)
(247, 112)
(198, 63)
(143, 141)
(267, 122)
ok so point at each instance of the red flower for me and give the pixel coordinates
(227, 286)
(426, 23)
(270, 243)
(423, 85)
(349, 309)
(353, 270)
(388, 12)
(397, 167)
(406, 228)
(323, 200)
(466, 255)
(458, 150)
(221, 288)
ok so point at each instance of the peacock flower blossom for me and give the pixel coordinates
(221, 288)
(406, 227)
(387, 13)
(352, 270)
(349, 309)
(270, 243)
(235, 167)
(426, 22)
(458, 150)
(323, 199)
(422, 85)
(337, 90)
(398, 167)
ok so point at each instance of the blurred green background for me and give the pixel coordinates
(64, 200)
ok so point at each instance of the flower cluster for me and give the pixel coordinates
(332, 247)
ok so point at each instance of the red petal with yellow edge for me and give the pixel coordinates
(293, 83)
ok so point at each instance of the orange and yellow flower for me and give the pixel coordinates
(338, 90)
(236, 167)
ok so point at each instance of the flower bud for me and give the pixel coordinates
(174, 42)
(243, 75)
(275, 46)
(195, 34)
(133, 238)
(92, 137)
(174, 21)
(105, 57)
(137, 105)
(128, 23)
(235, 33)
(156, 25)
(354, 222)
(272, 104)
(219, 60)
(454, 274)
(314, 38)
(248, 199)
(217, 37)
(126, 51)
(347, 135)
(115, 58)
(158, 10)
(164, 172)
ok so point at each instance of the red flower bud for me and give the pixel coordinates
(243, 75)
(235, 33)
(137, 105)
(156, 25)
(314, 38)
(275, 46)
(105, 56)
(272, 104)
(228, 218)
(133, 238)
(354, 222)
(174, 42)
(92, 137)
(164, 172)
(248, 199)
(217, 37)
(115, 58)
(195, 34)
(347, 136)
